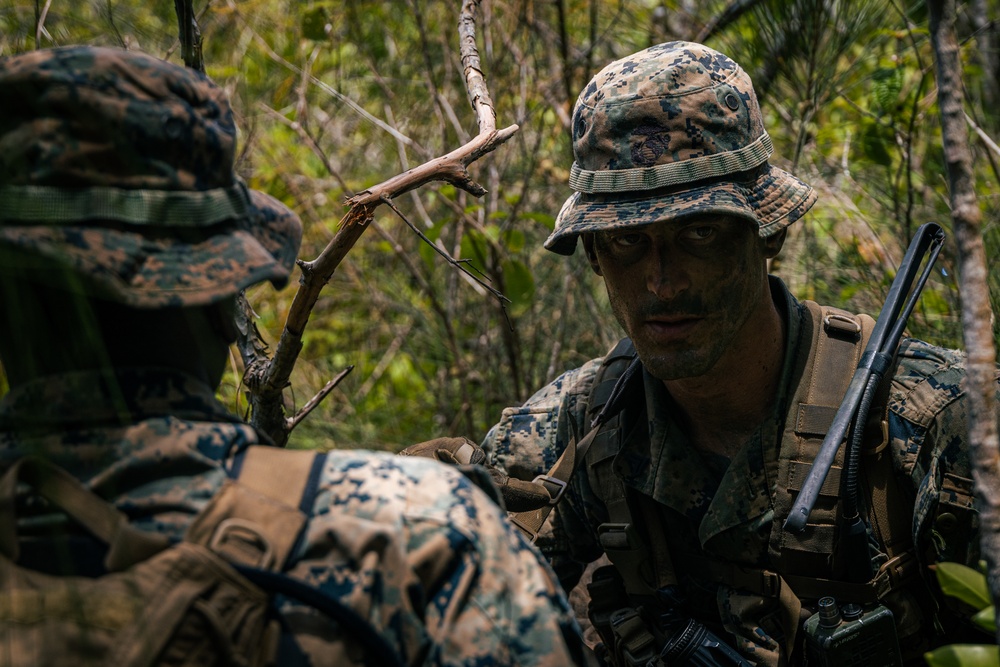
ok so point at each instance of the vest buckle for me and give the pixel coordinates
(617, 537)
(555, 487)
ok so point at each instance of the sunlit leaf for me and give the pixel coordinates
(964, 583)
(986, 619)
(963, 655)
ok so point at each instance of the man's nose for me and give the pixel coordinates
(667, 277)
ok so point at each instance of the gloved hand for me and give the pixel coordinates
(517, 494)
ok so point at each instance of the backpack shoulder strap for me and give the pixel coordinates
(831, 344)
(557, 479)
(257, 517)
(836, 341)
(638, 550)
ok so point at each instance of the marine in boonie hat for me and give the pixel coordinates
(670, 132)
(119, 167)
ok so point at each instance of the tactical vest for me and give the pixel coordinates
(824, 369)
(803, 565)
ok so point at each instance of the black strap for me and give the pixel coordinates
(352, 625)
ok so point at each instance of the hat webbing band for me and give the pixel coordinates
(673, 173)
(158, 208)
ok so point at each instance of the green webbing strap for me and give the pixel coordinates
(672, 173)
(156, 208)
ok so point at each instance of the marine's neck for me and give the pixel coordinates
(724, 407)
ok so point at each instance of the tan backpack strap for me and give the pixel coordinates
(126, 545)
(251, 521)
(831, 346)
(555, 482)
(277, 473)
(616, 364)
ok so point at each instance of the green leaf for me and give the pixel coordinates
(474, 246)
(519, 285)
(514, 240)
(886, 84)
(962, 582)
(963, 655)
(986, 619)
(543, 218)
(873, 145)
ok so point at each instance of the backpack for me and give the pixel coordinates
(204, 600)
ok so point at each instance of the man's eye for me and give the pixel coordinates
(698, 233)
(627, 240)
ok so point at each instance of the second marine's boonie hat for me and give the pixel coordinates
(119, 167)
(670, 132)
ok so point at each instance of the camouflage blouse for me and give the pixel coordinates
(723, 509)
(408, 543)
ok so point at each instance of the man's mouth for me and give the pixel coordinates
(672, 327)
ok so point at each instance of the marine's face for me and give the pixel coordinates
(683, 290)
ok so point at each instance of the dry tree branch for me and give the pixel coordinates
(267, 378)
(190, 35)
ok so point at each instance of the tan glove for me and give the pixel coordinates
(518, 495)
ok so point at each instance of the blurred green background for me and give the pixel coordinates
(333, 97)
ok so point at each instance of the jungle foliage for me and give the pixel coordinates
(334, 96)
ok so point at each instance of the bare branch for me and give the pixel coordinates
(40, 22)
(985, 138)
(268, 379)
(190, 35)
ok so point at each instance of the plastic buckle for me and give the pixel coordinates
(242, 534)
(617, 537)
(555, 494)
(770, 583)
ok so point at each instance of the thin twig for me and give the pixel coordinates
(459, 264)
(985, 138)
(314, 402)
(40, 23)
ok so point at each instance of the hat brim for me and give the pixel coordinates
(773, 200)
(149, 268)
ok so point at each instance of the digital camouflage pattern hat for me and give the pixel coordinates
(670, 132)
(119, 167)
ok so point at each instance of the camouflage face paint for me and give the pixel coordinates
(683, 290)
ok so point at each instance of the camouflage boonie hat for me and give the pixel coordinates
(670, 132)
(119, 167)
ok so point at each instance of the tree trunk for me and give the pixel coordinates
(984, 451)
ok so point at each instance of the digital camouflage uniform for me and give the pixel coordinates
(119, 166)
(670, 132)
(726, 511)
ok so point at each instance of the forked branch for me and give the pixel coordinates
(267, 378)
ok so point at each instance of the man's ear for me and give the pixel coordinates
(772, 244)
(588, 247)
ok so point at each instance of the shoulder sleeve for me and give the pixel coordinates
(414, 546)
(528, 439)
(928, 427)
